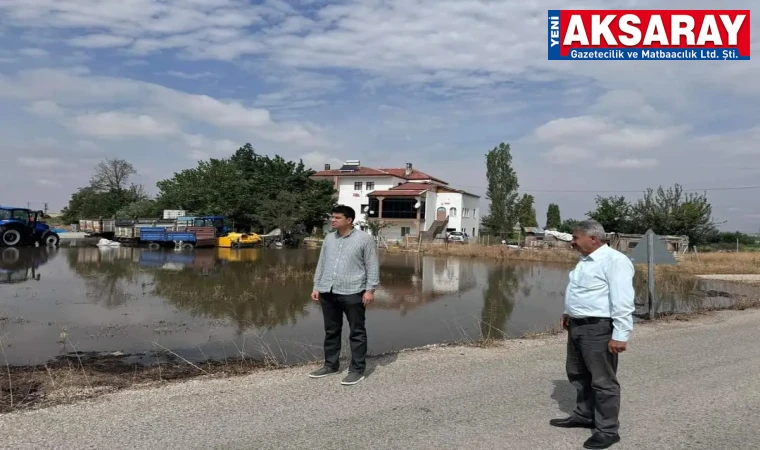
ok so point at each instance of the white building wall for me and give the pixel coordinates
(430, 206)
(349, 196)
(452, 201)
(470, 216)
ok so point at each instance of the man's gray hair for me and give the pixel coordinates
(591, 228)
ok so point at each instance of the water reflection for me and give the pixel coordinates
(214, 302)
(18, 265)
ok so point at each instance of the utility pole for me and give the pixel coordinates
(46, 208)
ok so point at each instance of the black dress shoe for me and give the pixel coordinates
(570, 422)
(599, 440)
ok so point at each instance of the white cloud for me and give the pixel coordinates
(115, 125)
(75, 87)
(34, 52)
(100, 41)
(39, 162)
(458, 76)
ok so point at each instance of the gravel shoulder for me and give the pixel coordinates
(686, 385)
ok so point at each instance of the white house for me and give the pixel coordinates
(413, 202)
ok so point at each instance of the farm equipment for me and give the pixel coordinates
(187, 233)
(21, 227)
(18, 265)
(238, 240)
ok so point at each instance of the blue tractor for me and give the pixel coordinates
(21, 227)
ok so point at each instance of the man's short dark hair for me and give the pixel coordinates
(346, 211)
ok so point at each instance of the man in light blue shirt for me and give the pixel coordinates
(599, 319)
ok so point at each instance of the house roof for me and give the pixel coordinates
(362, 171)
(415, 175)
(413, 189)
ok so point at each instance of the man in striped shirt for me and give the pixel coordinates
(344, 283)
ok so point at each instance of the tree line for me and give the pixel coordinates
(255, 192)
(670, 211)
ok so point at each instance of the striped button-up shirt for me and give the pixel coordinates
(602, 286)
(347, 264)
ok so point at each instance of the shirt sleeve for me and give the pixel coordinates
(622, 295)
(320, 264)
(372, 264)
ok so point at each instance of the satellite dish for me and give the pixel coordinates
(417, 205)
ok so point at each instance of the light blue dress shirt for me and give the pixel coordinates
(601, 285)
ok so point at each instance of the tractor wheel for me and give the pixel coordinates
(10, 256)
(187, 246)
(51, 240)
(10, 238)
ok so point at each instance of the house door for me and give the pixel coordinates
(440, 214)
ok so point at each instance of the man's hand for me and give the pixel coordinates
(616, 346)
(564, 321)
(315, 296)
(368, 298)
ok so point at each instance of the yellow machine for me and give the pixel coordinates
(238, 240)
(235, 255)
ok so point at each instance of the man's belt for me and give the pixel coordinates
(588, 320)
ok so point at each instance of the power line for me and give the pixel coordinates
(608, 191)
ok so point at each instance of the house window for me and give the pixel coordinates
(358, 186)
(465, 212)
(475, 213)
(406, 231)
(370, 185)
(452, 212)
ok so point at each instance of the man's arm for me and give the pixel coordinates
(371, 263)
(620, 279)
(320, 263)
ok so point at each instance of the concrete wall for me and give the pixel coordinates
(430, 207)
(453, 204)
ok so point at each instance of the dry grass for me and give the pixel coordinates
(501, 252)
(718, 263)
(693, 264)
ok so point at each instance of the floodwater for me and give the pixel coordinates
(221, 304)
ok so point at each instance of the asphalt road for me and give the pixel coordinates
(686, 385)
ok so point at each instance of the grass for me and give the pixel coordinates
(500, 252)
(718, 263)
(692, 263)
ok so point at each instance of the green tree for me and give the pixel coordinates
(553, 218)
(614, 213)
(255, 191)
(501, 192)
(674, 212)
(107, 193)
(526, 213)
(146, 208)
(567, 225)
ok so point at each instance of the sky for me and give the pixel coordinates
(437, 83)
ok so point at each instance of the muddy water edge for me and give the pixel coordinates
(83, 320)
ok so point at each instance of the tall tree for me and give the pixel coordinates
(501, 192)
(674, 212)
(553, 218)
(526, 213)
(255, 191)
(614, 213)
(109, 192)
(112, 175)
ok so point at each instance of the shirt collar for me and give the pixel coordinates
(350, 233)
(596, 254)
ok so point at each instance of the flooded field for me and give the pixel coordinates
(219, 304)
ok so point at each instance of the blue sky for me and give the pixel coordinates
(436, 83)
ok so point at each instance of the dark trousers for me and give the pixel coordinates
(592, 369)
(333, 308)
